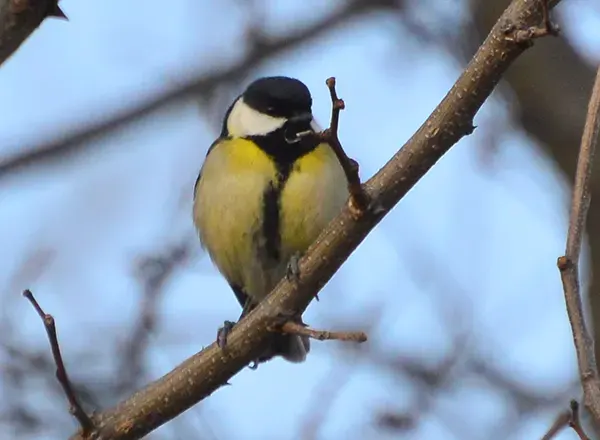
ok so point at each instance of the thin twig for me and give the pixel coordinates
(294, 328)
(359, 201)
(61, 372)
(569, 263)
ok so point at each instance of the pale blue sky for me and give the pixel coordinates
(467, 219)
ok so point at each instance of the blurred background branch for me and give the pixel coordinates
(203, 86)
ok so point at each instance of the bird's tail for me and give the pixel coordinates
(292, 348)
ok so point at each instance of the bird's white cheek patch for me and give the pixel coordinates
(245, 121)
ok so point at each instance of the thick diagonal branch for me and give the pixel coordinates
(205, 372)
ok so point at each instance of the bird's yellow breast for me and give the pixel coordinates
(313, 194)
(228, 204)
(229, 208)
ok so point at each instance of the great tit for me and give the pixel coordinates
(265, 192)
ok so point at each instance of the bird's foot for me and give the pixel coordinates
(292, 273)
(223, 332)
(286, 316)
(255, 363)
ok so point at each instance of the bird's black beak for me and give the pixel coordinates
(305, 117)
(298, 127)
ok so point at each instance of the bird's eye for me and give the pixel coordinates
(270, 109)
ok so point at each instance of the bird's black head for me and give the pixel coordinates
(273, 106)
(280, 97)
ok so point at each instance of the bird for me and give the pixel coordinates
(266, 190)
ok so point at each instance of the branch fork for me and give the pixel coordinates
(359, 201)
(569, 418)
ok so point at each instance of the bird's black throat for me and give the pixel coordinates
(285, 154)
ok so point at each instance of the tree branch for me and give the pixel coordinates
(203, 373)
(359, 201)
(61, 372)
(569, 263)
(553, 114)
(19, 18)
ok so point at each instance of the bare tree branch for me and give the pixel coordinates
(358, 198)
(553, 113)
(19, 18)
(203, 373)
(61, 372)
(569, 263)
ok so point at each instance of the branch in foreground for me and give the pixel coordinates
(61, 372)
(569, 418)
(569, 263)
(203, 373)
(19, 18)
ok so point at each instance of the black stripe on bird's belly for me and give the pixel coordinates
(285, 155)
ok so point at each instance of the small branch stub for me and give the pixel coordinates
(61, 372)
(55, 11)
(294, 328)
(564, 263)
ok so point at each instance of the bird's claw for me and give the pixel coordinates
(376, 208)
(292, 273)
(223, 332)
(286, 316)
